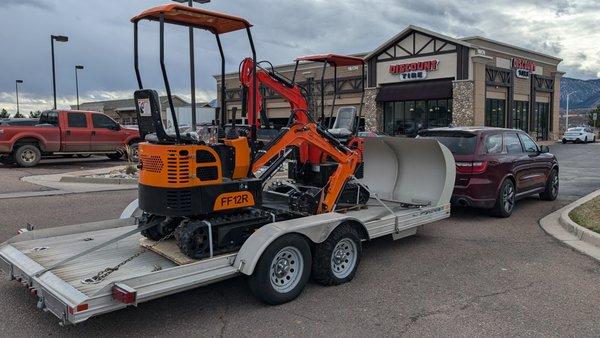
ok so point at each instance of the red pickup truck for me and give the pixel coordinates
(65, 132)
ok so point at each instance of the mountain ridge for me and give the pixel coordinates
(586, 93)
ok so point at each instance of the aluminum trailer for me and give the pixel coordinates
(411, 183)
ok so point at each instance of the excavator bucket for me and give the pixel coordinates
(412, 171)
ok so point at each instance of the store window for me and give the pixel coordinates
(540, 120)
(521, 115)
(409, 117)
(495, 113)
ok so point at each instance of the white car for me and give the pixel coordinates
(579, 134)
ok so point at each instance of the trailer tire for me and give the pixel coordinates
(282, 271)
(28, 155)
(336, 259)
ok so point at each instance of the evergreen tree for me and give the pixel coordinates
(34, 114)
(18, 115)
(591, 121)
(4, 114)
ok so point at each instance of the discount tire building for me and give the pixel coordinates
(422, 79)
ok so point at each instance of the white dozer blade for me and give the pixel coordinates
(414, 171)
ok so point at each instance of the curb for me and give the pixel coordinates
(98, 180)
(560, 226)
(583, 234)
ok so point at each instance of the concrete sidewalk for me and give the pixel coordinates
(559, 225)
(53, 182)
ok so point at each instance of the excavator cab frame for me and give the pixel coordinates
(213, 22)
(335, 61)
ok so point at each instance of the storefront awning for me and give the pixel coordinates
(422, 90)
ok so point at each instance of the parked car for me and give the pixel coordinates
(579, 134)
(495, 167)
(64, 132)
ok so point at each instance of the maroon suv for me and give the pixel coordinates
(497, 166)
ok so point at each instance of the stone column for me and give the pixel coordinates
(462, 103)
(372, 110)
(479, 63)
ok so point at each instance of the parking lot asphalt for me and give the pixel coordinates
(470, 275)
(579, 168)
(10, 175)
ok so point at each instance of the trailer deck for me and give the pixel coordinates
(62, 292)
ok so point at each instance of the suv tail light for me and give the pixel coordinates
(476, 167)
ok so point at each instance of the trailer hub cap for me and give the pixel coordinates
(286, 269)
(343, 258)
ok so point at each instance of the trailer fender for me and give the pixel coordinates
(316, 228)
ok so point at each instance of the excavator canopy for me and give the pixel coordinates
(334, 59)
(216, 22)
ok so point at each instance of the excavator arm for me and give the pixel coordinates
(300, 134)
(288, 91)
(314, 143)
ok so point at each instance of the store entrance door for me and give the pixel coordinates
(541, 120)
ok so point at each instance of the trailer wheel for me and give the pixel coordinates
(28, 155)
(336, 259)
(282, 271)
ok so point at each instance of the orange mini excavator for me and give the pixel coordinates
(213, 194)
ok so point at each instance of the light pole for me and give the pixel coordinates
(58, 38)
(192, 62)
(17, 89)
(567, 112)
(77, 67)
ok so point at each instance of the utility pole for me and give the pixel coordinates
(567, 112)
(58, 38)
(77, 67)
(17, 90)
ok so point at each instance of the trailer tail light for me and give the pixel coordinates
(78, 308)
(477, 167)
(124, 294)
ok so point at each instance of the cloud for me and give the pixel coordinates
(101, 38)
(40, 4)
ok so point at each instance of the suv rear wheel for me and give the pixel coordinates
(552, 185)
(505, 203)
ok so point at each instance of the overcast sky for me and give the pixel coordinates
(101, 38)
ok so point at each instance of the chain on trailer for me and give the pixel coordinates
(100, 276)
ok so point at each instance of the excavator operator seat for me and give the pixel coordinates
(147, 106)
(345, 122)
